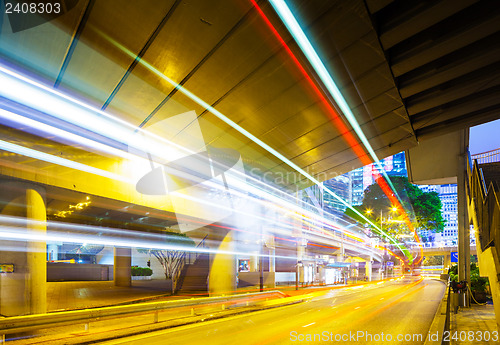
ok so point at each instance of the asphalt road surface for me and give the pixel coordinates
(397, 312)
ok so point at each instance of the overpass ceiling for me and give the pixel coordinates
(406, 68)
(445, 59)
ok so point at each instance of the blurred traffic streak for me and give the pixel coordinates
(400, 308)
(240, 198)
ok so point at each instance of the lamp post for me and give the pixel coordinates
(369, 211)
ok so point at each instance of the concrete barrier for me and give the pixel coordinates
(441, 322)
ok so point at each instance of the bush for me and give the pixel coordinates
(141, 271)
(477, 283)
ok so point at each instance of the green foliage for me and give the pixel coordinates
(433, 260)
(351, 214)
(423, 209)
(172, 260)
(141, 271)
(477, 283)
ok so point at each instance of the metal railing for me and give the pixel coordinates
(187, 258)
(192, 256)
(27, 323)
(487, 157)
(487, 207)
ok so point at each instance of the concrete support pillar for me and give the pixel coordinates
(272, 260)
(299, 273)
(446, 263)
(368, 270)
(222, 276)
(24, 291)
(463, 219)
(489, 264)
(321, 275)
(122, 270)
(37, 265)
(254, 263)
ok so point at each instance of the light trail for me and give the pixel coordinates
(9, 116)
(247, 134)
(336, 119)
(38, 92)
(31, 91)
(13, 229)
(59, 161)
(295, 29)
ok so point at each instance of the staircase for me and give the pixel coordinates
(491, 174)
(482, 188)
(194, 276)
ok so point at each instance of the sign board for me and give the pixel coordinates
(243, 265)
(6, 268)
(454, 256)
(389, 264)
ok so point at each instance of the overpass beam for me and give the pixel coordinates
(24, 291)
(368, 269)
(222, 275)
(446, 262)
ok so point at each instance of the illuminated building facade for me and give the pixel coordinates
(364, 177)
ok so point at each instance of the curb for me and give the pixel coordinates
(441, 321)
(89, 338)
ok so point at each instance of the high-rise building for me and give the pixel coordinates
(351, 187)
(357, 186)
(312, 198)
(342, 186)
(364, 177)
(449, 199)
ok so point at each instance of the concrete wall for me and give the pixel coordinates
(435, 161)
(253, 278)
(105, 257)
(285, 277)
(59, 271)
(141, 260)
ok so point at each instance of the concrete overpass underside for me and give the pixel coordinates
(427, 68)
(228, 74)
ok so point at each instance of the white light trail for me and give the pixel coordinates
(59, 161)
(305, 45)
(42, 98)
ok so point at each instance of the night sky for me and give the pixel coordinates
(485, 137)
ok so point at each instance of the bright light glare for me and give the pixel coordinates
(243, 131)
(295, 29)
(59, 161)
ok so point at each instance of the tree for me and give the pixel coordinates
(172, 260)
(423, 209)
(433, 260)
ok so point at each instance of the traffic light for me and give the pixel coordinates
(149, 263)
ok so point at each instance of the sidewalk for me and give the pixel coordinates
(473, 325)
(73, 295)
(90, 294)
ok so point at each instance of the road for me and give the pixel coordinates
(398, 312)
